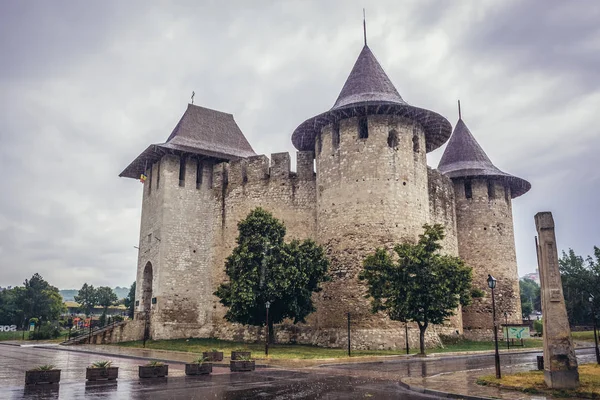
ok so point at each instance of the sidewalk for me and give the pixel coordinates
(463, 383)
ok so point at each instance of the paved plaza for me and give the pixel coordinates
(383, 379)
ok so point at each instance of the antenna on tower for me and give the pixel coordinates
(459, 114)
(193, 94)
(365, 26)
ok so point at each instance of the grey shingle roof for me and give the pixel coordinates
(464, 158)
(368, 90)
(200, 131)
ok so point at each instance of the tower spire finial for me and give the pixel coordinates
(365, 26)
(459, 114)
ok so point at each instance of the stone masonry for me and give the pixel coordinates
(371, 188)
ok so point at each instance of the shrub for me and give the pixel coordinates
(200, 360)
(118, 318)
(46, 367)
(102, 364)
(154, 364)
(45, 332)
(538, 326)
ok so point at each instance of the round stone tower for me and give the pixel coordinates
(372, 190)
(486, 242)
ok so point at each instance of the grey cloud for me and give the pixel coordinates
(85, 87)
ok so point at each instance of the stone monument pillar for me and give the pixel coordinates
(560, 364)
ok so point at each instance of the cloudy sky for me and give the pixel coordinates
(86, 86)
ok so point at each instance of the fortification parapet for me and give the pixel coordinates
(280, 165)
(257, 168)
(305, 165)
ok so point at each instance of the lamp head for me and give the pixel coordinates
(267, 305)
(491, 281)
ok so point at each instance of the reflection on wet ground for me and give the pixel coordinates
(262, 384)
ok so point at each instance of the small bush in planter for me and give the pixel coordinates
(240, 354)
(213, 355)
(198, 367)
(101, 370)
(242, 363)
(42, 374)
(154, 369)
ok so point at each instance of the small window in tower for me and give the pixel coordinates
(416, 147)
(319, 144)
(182, 171)
(468, 189)
(150, 180)
(393, 139)
(363, 128)
(506, 194)
(158, 174)
(335, 135)
(491, 190)
(199, 171)
(149, 238)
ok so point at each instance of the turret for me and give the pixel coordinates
(483, 196)
(179, 210)
(372, 190)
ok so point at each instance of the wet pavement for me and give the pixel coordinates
(458, 375)
(379, 379)
(265, 383)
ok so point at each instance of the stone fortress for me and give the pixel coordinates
(371, 188)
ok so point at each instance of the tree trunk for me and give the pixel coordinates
(422, 329)
(271, 332)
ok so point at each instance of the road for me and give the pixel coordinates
(379, 380)
(264, 383)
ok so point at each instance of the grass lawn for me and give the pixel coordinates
(533, 382)
(13, 335)
(583, 335)
(286, 351)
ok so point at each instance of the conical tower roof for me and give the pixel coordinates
(464, 158)
(200, 131)
(367, 91)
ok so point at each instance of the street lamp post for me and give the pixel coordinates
(491, 281)
(267, 305)
(595, 328)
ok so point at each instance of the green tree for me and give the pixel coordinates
(11, 306)
(262, 267)
(420, 284)
(105, 298)
(87, 298)
(35, 299)
(530, 296)
(40, 299)
(129, 301)
(580, 279)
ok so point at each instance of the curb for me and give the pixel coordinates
(440, 394)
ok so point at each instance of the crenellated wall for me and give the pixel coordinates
(241, 186)
(486, 243)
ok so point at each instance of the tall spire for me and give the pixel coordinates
(459, 114)
(365, 25)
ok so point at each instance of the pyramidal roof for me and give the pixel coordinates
(200, 131)
(367, 82)
(464, 158)
(368, 90)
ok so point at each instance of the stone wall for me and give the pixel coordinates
(486, 243)
(442, 210)
(241, 186)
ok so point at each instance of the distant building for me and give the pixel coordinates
(534, 276)
(73, 309)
